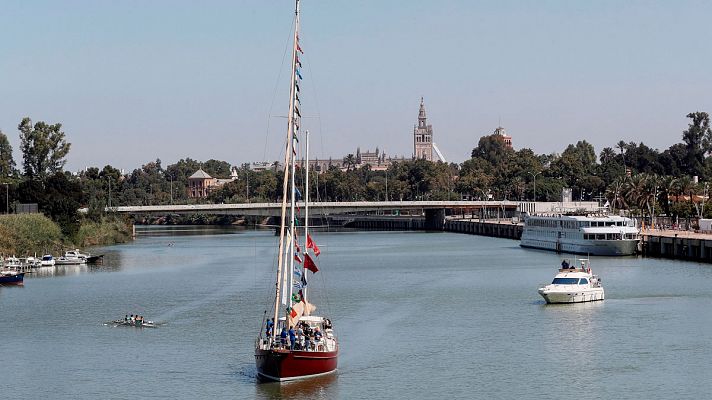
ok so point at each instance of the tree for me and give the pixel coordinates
(217, 168)
(492, 148)
(43, 148)
(350, 162)
(698, 141)
(7, 163)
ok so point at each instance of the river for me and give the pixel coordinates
(418, 315)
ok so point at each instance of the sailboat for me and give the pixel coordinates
(296, 343)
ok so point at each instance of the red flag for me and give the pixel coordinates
(297, 259)
(313, 246)
(296, 246)
(309, 264)
(292, 313)
(299, 48)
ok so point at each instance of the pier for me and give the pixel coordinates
(679, 245)
(495, 228)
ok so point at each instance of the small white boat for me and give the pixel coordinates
(47, 261)
(75, 254)
(573, 285)
(12, 263)
(69, 261)
(32, 262)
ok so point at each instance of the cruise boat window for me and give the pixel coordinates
(565, 281)
(583, 281)
(600, 236)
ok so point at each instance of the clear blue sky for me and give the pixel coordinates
(135, 80)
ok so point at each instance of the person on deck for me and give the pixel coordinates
(283, 336)
(317, 336)
(270, 326)
(307, 339)
(292, 338)
(300, 337)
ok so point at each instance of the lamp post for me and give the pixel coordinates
(247, 189)
(534, 179)
(386, 184)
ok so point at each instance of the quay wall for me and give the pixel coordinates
(501, 229)
(678, 246)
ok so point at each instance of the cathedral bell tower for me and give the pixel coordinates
(423, 136)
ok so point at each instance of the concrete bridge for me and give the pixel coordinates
(316, 208)
(433, 211)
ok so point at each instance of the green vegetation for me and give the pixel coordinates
(630, 176)
(28, 233)
(105, 232)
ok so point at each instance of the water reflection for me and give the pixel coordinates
(320, 387)
(578, 324)
(187, 230)
(111, 263)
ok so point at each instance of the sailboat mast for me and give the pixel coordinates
(293, 237)
(287, 157)
(306, 217)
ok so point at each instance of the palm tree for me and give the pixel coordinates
(615, 193)
(668, 185)
(623, 146)
(350, 162)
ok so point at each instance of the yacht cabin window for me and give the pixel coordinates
(565, 281)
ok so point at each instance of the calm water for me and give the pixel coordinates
(419, 315)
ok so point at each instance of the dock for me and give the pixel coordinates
(671, 244)
(675, 244)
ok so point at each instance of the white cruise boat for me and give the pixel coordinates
(573, 285)
(596, 235)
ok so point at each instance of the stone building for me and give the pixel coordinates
(507, 139)
(200, 184)
(423, 136)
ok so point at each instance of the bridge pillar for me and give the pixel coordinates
(435, 219)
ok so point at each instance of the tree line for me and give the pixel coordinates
(629, 176)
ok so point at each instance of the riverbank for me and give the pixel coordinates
(22, 234)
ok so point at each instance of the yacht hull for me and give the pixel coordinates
(284, 365)
(573, 296)
(593, 248)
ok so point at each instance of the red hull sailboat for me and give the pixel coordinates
(296, 344)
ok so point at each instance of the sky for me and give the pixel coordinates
(132, 81)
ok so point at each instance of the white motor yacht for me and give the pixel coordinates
(47, 261)
(573, 285)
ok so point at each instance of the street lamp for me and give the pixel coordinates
(386, 184)
(534, 178)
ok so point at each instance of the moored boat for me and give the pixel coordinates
(573, 285)
(306, 345)
(47, 261)
(69, 261)
(12, 263)
(10, 277)
(593, 234)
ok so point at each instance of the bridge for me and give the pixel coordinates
(317, 208)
